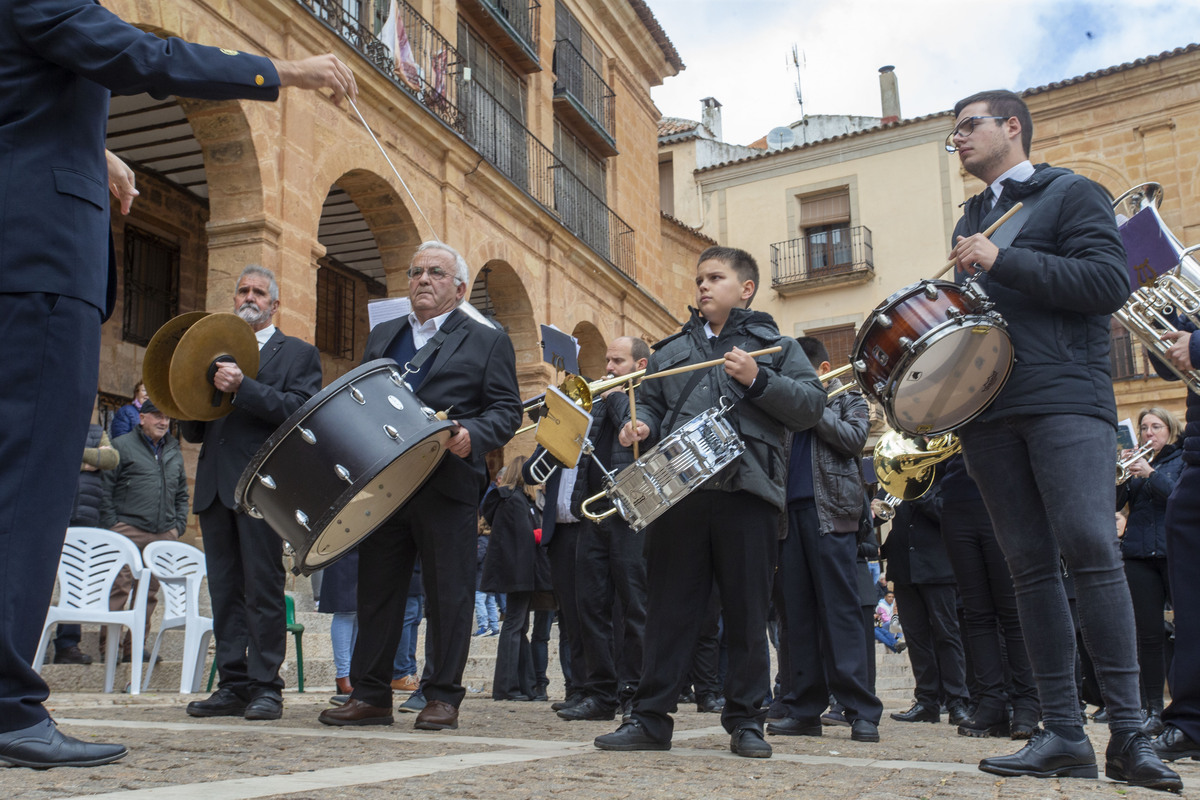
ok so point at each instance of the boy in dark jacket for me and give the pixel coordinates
(727, 530)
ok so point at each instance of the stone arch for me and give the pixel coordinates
(508, 304)
(1113, 180)
(592, 350)
(389, 222)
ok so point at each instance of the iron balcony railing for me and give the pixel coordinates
(431, 75)
(490, 128)
(511, 148)
(838, 251)
(520, 17)
(577, 78)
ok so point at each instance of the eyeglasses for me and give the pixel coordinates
(966, 128)
(1154, 426)
(435, 273)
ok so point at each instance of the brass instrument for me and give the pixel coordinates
(889, 507)
(1151, 309)
(837, 373)
(580, 391)
(905, 464)
(1123, 464)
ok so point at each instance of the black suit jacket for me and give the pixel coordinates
(474, 375)
(289, 373)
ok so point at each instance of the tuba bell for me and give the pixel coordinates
(1167, 273)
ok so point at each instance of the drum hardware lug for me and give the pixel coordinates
(906, 343)
(396, 402)
(397, 378)
(302, 518)
(391, 431)
(308, 436)
(953, 313)
(860, 366)
(342, 473)
(879, 388)
(254, 512)
(288, 550)
(358, 396)
(931, 291)
(267, 481)
(884, 321)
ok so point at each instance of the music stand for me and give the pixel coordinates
(563, 431)
(560, 350)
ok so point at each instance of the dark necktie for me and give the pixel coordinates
(989, 200)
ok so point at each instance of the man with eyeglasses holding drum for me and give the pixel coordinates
(470, 370)
(1042, 453)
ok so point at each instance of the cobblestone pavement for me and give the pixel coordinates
(511, 751)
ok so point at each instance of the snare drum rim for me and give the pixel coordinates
(299, 415)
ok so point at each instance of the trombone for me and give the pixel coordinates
(580, 391)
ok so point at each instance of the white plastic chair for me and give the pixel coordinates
(180, 568)
(91, 559)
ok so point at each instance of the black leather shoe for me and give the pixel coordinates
(43, 746)
(356, 712)
(265, 706)
(591, 709)
(956, 712)
(710, 703)
(1047, 755)
(573, 699)
(982, 727)
(1153, 725)
(918, 713)
(748, 742)
(835, 716)
(630, 736)
(539, 693)
(863, 730)
(794, 726)
(1173, 744)
(1131, 758)
(1101, 715)
(71, 655)
(223, 702)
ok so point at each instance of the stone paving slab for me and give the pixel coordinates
(513, 751)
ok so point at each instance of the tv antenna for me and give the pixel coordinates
(798, 61)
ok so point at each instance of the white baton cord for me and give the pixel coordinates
(394, 170)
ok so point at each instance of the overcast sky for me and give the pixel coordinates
(741, 52)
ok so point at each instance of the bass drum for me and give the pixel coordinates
(933, 355)
(343, 463)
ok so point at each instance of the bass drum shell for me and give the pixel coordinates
(343, 463)
(933, 357)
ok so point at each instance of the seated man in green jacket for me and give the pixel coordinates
(145, 498)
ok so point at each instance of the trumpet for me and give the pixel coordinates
(580, 391)
(1123, 464)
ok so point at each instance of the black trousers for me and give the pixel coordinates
(443, 532)
(561, 551)
(245, 580)
(818, 580)
(934, 649)
(514, 673)
(1149, 588)
(50, 349)
(992, 631)
(729, 537)
(1183, 554)
(610, 566)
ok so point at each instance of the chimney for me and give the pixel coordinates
(889, 93)
(710, 116)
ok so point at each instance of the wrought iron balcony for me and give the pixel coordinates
(512, 24)
(582, 96)
(511, 148)
(833, 256)
(433, 74)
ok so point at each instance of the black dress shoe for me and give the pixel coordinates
(1173, 744)
(265, 706)
(1047, 755)
(863, 730)
(748, 742)
(539, 693)
(1101, 715)
(356, 712)
(956, 712)
(1131, 758)
(918, 713)
(591, 709)
(43, 746)
(573, 699)
(630, 736)
(1153, 725)
(981, 726)
(794, 726)
(710, 703)
(224, 702)
(626, 710)
(71, 655)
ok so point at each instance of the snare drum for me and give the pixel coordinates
(674, 467)
(343, 463)
(933, 355)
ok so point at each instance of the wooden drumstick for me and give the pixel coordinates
(988, 233)
(706, 364)
(632, 417)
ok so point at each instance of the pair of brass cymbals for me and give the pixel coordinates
(183, 352)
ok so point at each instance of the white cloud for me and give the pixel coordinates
(740, 53)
